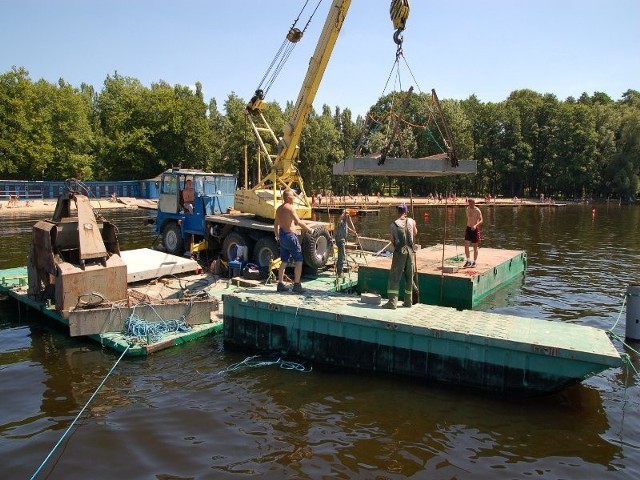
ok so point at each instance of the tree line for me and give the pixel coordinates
(526, 145)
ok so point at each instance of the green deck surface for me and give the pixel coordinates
(12, 277)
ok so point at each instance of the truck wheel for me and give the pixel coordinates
(230, 244)
(266, 249)
(316, 246)
(172, 239)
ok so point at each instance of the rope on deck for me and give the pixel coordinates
(150, 332)
(79, 415)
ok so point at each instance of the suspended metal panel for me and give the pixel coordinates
(404, 167)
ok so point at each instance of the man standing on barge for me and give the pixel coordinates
(284, 228)
(472, 233)
(403, 234)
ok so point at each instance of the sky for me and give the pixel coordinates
(460, 48)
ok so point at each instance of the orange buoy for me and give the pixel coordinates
(352, 212)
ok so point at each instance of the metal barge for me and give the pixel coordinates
(77, 275)
(491, 352)
(442, 281)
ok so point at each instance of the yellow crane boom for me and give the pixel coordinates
(264, 198)
(315, 72)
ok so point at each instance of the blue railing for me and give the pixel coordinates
(44, 189)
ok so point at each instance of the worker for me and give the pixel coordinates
(285, 222)
(342, 231)
(472, 233)
(188, 196)
(403, 234)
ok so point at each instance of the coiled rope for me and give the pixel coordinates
(79, 415)
(142, 330)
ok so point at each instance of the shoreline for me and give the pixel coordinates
(49, 205)
(383, 202)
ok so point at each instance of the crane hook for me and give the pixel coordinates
(397, 37)
(399, 12)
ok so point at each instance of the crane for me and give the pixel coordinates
(265, 197)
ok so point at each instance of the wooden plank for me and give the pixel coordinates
(243, 282)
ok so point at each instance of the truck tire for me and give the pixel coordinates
(230, 243)
(266, 249)
(172, 239)
(316, 246)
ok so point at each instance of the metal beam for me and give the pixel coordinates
(404, 167)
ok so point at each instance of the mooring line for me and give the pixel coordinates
(79, 415)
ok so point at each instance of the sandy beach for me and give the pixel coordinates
(48, 206)
(45, 206)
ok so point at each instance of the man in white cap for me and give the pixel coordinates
(403, 234)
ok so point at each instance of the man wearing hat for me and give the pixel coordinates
(403, 234)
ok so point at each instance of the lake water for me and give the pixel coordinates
(186, 414)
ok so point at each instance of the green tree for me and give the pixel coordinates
(320, 148)
(71, 131)
(25, 137)
(625, 167)
(126, 149)
(45, 130)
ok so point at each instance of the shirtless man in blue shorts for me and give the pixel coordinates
(285, 222)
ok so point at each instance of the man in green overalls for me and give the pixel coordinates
(403, 234)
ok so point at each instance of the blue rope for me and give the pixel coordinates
(79, 415)
(151, 332)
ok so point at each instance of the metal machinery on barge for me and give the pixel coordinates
(72, 256)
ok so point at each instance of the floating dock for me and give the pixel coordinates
(445, 283)
(497, 353)
(154, 302)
